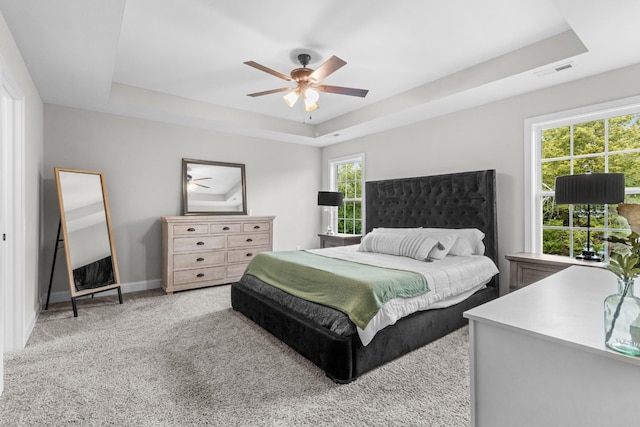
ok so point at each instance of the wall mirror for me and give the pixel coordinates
(213, 188)
(86, 231)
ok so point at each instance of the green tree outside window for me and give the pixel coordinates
(607, 145)
(349, 183)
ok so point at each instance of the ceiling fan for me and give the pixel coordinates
(192, 181)
(308, 82)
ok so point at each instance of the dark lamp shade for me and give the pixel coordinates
(329, 198)
(590, 189)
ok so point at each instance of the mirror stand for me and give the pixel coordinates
(53, 266)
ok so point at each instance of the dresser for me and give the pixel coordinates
(199, 251)
(538, 358)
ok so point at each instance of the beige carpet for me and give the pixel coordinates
(190, 360)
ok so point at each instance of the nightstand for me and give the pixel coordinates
(333, 240)
(526, 268)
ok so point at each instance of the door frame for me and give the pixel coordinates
(12, 278)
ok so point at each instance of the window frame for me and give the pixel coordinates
(333, 185)
(533, 128)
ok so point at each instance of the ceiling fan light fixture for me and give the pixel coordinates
(310, 98)
(308, 106)
(311, 95)
(291, 98)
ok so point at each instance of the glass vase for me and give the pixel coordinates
(622, 320)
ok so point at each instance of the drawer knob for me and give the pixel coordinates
(191, 229)
(200, 243)
(200, 275)
(256, 227)
(225, 228)
(249, 254)
(249, 240)
(200, 259)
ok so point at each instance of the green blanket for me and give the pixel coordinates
(358, 290)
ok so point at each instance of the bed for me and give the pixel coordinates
(450, 201)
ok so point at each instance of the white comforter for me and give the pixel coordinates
(451, 280)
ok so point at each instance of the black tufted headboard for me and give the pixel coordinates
(457, 200)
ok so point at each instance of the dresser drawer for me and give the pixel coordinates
(527, 268)
(199, 259)
(225, 228)
(529, 274)
(190, 229)
(247, 254)
(199, 275)
(236, 271)
(255, 226)
(188, 244)
(254, 239)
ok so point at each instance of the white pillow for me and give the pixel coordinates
(416, 246)
(468, 242)
(395, 230)
(445, 243)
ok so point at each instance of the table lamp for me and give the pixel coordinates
(332, 199)
(590, 189)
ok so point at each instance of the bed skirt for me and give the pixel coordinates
(344, 358)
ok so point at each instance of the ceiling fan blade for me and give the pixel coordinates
(200, 185)
(198, 179)
(328, 67)
(267, 92)
(343, 90)
(267, 70)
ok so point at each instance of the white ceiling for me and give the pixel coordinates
(181, 61)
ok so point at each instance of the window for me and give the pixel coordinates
(600, 139)
(346, 176)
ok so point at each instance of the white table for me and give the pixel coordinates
(538, 357)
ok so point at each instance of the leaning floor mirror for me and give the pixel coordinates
(86, 232)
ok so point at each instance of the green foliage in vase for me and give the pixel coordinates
(624, 260)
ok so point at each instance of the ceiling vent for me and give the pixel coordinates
(557, 69)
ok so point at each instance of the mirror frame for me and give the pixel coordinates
(63, 222)
(185, 183)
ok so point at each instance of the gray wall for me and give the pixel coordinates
(142, 161)
(487, 137)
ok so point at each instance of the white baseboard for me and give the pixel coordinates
(146, 285)
(31, 323)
